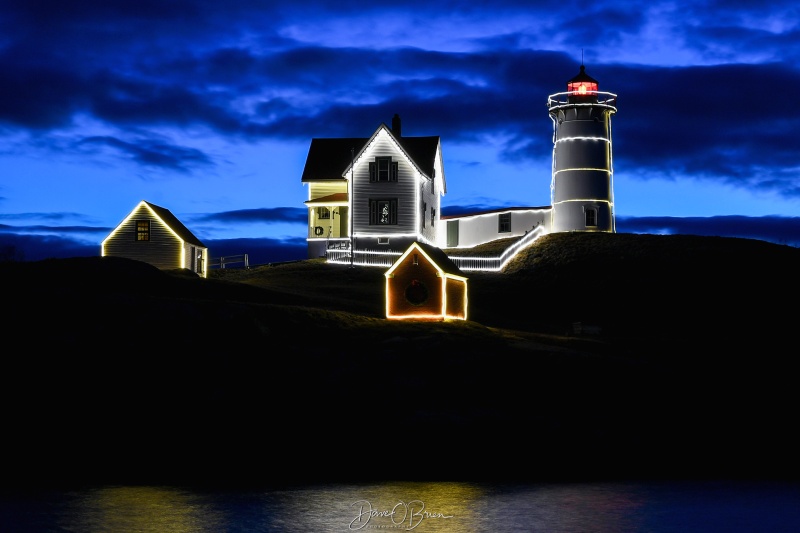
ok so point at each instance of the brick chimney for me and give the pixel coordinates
(396, 125)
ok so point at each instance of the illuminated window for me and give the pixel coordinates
(324, 212)
(142, 230)
(591, 217)
(383, 169)
(504, 223)
(382, 212)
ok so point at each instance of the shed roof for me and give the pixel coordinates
(437, 255)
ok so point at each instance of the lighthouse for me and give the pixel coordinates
(582, 188)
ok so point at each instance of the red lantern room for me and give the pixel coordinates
(582, 88)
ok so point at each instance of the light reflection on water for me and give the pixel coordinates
(412, 506)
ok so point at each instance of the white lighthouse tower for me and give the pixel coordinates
(582, 190)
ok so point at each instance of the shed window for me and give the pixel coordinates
(142, 230)
(324, 212)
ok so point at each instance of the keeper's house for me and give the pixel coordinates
(154, 235)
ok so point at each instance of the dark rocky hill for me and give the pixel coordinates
(590, 356)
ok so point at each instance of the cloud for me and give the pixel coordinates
(15, 247)
(705, 98)
(152, 153)
(258, 251)
(776, 229)
(699, 121)
(297, 215)
(26, 247)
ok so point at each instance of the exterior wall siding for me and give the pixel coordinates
(320, 230)
(429, 199)
(582, 168)
(478, 229)
(456, 305)
(404, 190)
(404, 274)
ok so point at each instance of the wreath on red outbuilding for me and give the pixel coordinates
(416, 292)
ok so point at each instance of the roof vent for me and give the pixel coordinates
(396, 125)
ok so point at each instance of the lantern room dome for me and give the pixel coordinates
(582, 85)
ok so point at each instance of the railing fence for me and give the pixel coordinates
(229, 260)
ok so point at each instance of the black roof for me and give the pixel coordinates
(176, 225)
(329, 158)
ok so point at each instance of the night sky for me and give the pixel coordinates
(208, 109)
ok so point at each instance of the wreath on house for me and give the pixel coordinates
(416, 293)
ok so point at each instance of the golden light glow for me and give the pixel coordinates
(181, 252)
(142, 509)
(443, 277)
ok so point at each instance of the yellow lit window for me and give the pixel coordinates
(142, 230)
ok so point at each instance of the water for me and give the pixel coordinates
(706, 507)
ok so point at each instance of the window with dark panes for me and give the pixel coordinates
(504, 223)
(383, 169)
(591, 217)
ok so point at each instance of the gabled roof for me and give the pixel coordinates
(436, 256)
(177, 226)
(330, 158)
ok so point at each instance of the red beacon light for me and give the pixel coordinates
(582, 88)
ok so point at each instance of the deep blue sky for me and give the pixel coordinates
(208, 109)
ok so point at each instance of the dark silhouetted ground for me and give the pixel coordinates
(114, 371)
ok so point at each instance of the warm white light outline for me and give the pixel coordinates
(607, 171)
(554, 102)
(444, 276)
(141, 204)
(583, 138)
